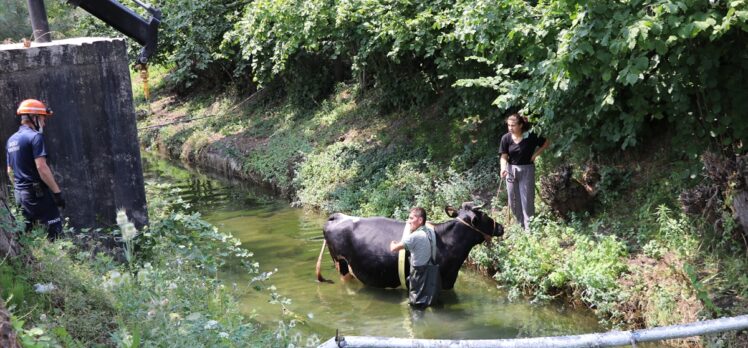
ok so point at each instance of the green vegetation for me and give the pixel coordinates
(64, 21)
(637, 260)
(619, 67)
(168, 294)
(604, 75)
(371, 107)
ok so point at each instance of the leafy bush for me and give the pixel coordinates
(594, 268)
(271, 32)
(62, 18)
(675, 233)
(277, 161)
(191, 39)
(558, 259)
(174, 296)
(404, 186)
(15, 287)
(530, 264)
(14, 21)
(76, 303)
(325, 174)
(168, 295)
(560, 62)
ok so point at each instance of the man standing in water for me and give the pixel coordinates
(27, 167)
(424, 280)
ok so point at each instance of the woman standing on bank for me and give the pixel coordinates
(519, 148)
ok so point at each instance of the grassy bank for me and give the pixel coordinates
(76, 292)
(636, 259)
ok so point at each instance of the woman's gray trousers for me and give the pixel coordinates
(520, 186)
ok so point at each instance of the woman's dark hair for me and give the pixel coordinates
(521, 121)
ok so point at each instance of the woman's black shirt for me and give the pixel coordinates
(520, 154)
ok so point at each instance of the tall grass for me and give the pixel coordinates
(168, 294)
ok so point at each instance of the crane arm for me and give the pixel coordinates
(128, 22)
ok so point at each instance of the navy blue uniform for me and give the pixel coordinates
(31, 193)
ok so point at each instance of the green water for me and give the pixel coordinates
(289, 239)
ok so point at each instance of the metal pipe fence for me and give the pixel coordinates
(608, 339)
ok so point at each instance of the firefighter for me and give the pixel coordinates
(36, 190)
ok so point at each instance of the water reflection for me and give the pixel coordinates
(290, 240)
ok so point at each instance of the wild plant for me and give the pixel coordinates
(556, 259)
(128, 232)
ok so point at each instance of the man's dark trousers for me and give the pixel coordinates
(41, 209)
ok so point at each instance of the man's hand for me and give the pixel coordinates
(59, 201)
(396, 246)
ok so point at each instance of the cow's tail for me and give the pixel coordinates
(320, 278)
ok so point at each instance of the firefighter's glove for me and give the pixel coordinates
(59, 201)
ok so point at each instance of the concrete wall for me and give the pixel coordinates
(92, 137)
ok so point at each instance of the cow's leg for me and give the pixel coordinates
(350, 272)
(345, 273)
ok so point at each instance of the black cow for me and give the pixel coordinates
(362, 245)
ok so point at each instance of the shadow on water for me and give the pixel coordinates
(289, 240)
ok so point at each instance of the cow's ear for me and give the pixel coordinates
(451, 212)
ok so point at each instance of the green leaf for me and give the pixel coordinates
(684, 32)
(35, 331)
(700, 26)
(606, 75)
(660, 47)
(641, 63)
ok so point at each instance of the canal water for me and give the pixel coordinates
(287, 241)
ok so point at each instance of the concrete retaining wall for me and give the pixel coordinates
(92, 139)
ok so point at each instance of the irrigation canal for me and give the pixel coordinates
(288, 239)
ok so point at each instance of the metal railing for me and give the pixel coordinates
(608, 339)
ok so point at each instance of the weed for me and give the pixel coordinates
(557, 259)
(168, 294)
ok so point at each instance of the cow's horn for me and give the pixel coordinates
(479, 206)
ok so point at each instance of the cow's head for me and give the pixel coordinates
(473, 216)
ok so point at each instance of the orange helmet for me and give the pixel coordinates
(33, 107)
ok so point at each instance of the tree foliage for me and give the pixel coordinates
(608, 74)
(14, 20)
(191, 36)
(618, 68)
(604, 74)
(190, 39)
(15, 23)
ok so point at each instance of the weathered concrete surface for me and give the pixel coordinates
(92, 138)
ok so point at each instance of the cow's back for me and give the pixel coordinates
(342, 226)
(364, 244)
